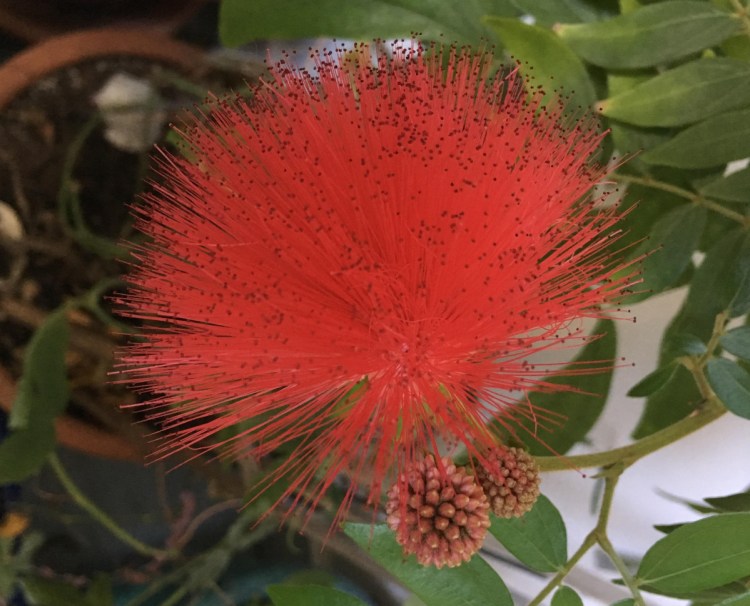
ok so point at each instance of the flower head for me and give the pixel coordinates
(356, 265)
(438, 512)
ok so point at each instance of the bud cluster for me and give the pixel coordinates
(440, 512)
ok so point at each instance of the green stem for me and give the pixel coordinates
(587, 544)
(610, 483)
(84, 503)
(744, 220)
(711, 410)
(622, 568)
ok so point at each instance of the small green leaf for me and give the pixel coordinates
(565, 596)
(241, 21)
(625, 602)
(685, 343)
(670, 246)
(310, 595)
(43, 391)
(731, 383)
(700, 555)
(7, 581)
(578, 411)
(713, 142)
(545, 59)
(652, 35)
(733, 188)
(738, 600)
(683, 95)
(733, 502)
(653, 381)
(538, 539)
(46, 592)
(472, 584)
(737, 342)
(24, 452)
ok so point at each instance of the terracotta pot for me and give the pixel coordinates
(46, 57)
(35, 20)
(19, 73)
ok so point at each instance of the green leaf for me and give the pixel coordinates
(546, 60)
(310, 595)
(731, 503)
(625, 602)
(472, 584)
(713, 142)
(537, 539)
(733, 188)
(738, 600)
(670, 246)
(577, 411)
(697, 556)
(565, 596)
(549, 12)
(683, 95)
(43, 391)
(652, 35)
(241, 21)
(24, 452)
(731, 383)
(7, 581)
(653, 381)
(46, 592)
(685, 343)
(99, 592)
(713, 287)
(737, 342)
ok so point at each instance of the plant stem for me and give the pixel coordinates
(100, 516)
(697, 199)
(711, 410)
(600, 532)
(587, 544)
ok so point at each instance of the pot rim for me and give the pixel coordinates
(28, 66)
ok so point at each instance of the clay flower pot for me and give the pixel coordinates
(40, 19)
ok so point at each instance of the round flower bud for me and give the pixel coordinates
(512, 483)
(439, 513)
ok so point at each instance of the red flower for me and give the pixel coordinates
(356, 265)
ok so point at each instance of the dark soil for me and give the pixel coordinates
(37, 132)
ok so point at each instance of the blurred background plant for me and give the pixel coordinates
(670, 80)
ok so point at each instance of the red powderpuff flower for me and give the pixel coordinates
(356, 264)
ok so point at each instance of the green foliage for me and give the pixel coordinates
(653, 381)
(310, 595)
(732, 188)
(42, 395)
(538, 539)
(652, 35)
(575, 411)
(43, 390)
(713, 289)
(241, 21)
(545, 60)
(669, 249)
(731, 383)
(565, 596)
(683, 95)
(717, 140)
(701, 555)
(473, 584)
